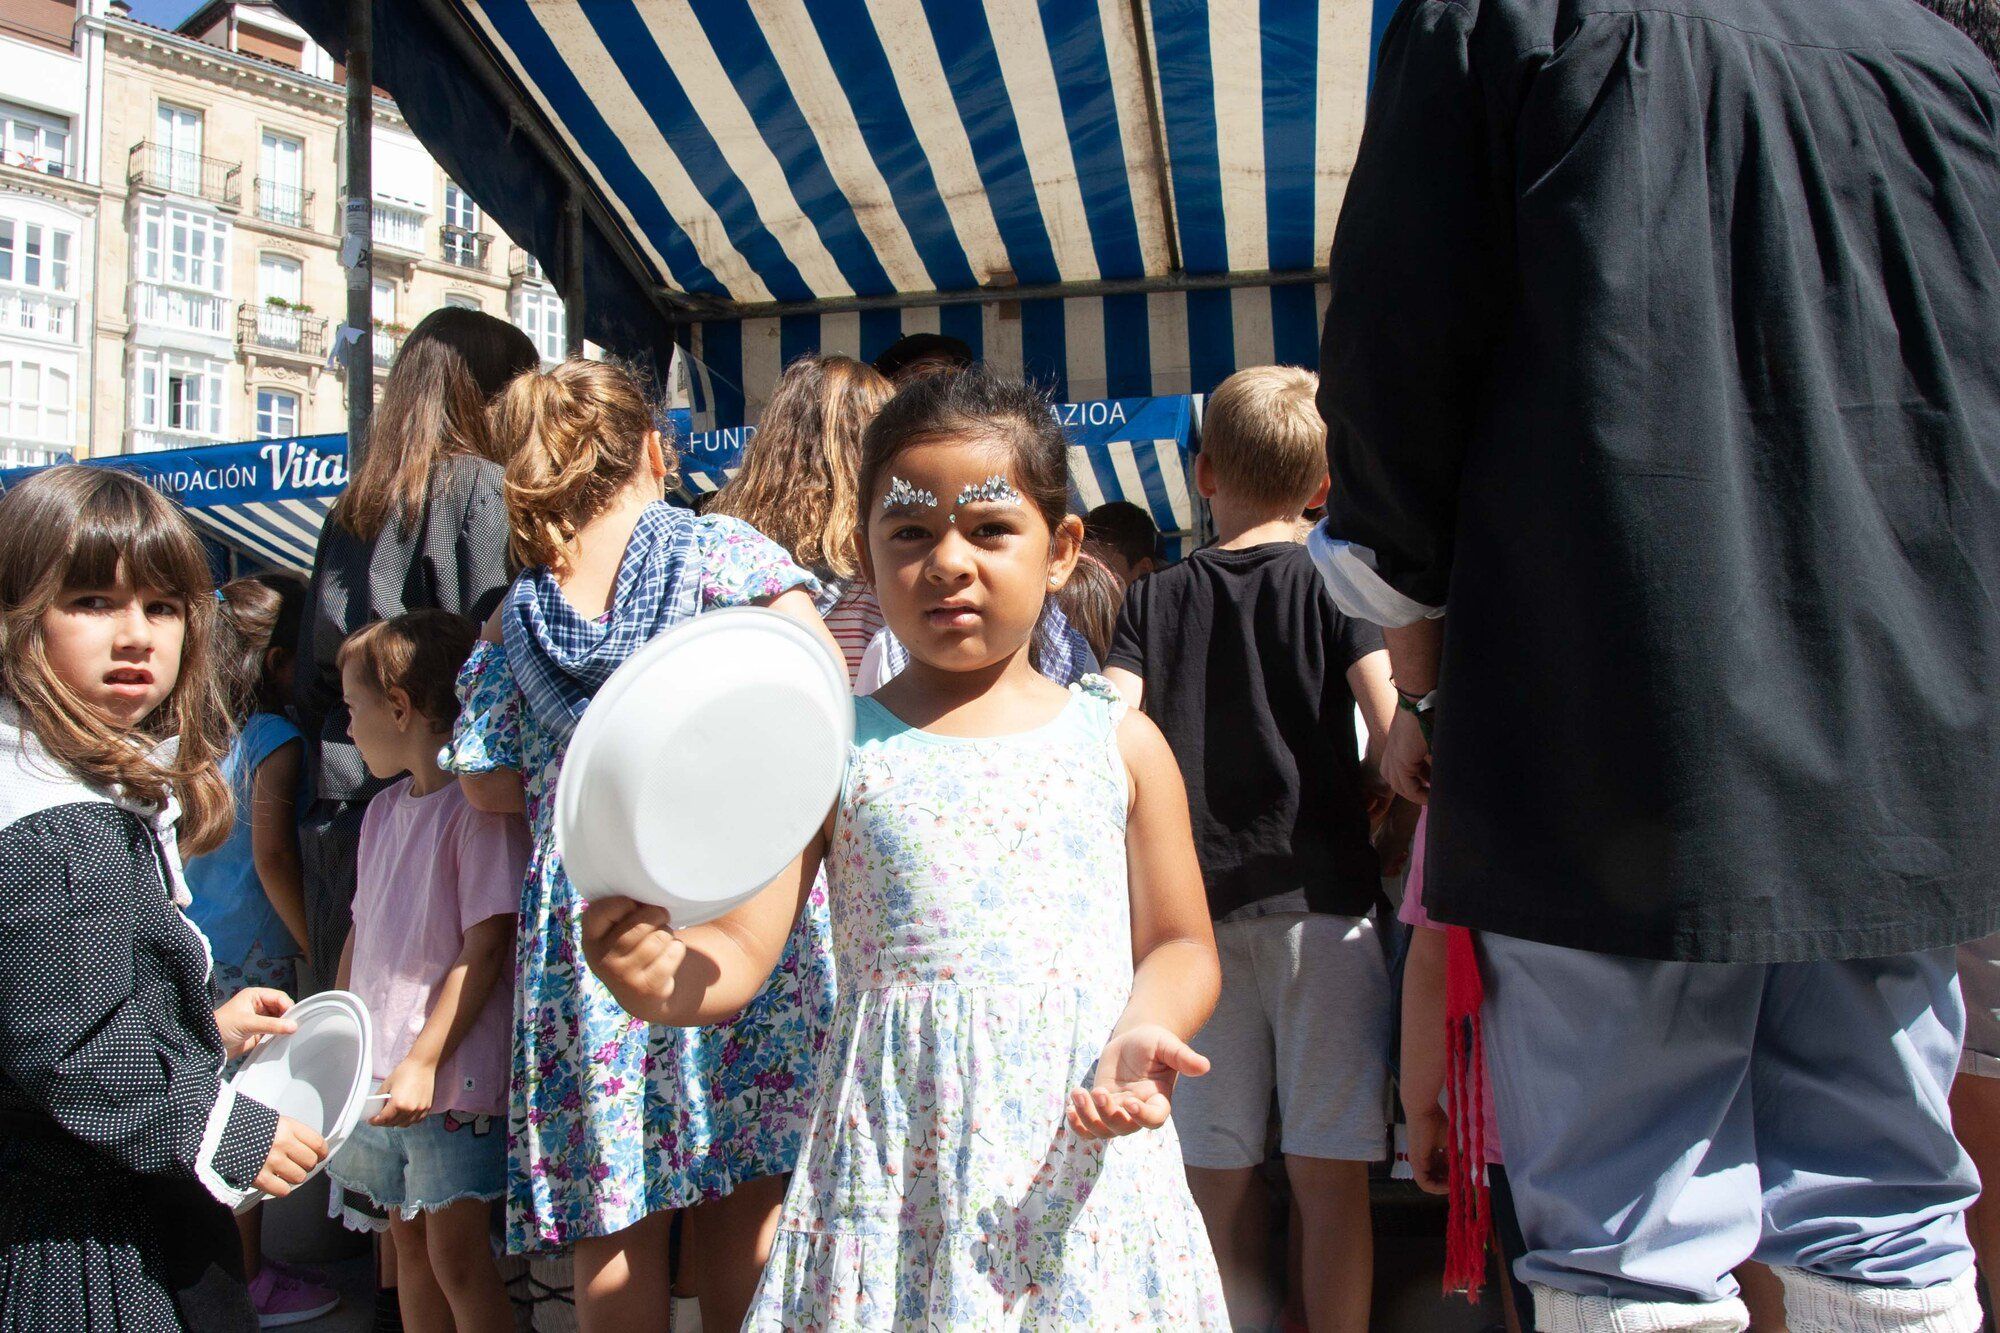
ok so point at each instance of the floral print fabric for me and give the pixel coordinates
(980, 914)
(611, 1119)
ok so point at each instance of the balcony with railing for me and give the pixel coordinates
(388, 342)
(38, 314)
(154, 166)
(465, 247)
(180, 308)
(283, 329)
(525, 267)
(285, 204)
(398, 227)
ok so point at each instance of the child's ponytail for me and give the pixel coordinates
(578, 433)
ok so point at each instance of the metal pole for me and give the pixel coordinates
(357, 227)
(572, 272)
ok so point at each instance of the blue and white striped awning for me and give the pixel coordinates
(1115, 198)
(267, 498)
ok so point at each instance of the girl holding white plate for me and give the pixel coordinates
(991, 1147)
(615, 1123)
(119, 1142)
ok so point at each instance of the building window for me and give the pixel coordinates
(539, 313)
(277, 414)
(34, 402)
(464, 245)
(281, 179)
(178, 392)
(462, 300)
(280, 280)
(183, 248)
(382, 305)
(177, 148)
(459, 210)
(35, 140)
(32, 255)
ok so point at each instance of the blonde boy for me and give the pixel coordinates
(1253, 674)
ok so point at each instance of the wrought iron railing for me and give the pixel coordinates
(465, 247)
(155, 166)
(281, 329)
(285, 204)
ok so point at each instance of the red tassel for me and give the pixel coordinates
(1470, 1220)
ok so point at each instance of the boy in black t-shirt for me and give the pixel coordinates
(1253, 674)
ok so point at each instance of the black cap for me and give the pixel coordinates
(912, 348)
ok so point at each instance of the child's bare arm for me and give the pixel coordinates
(487, 948)
(1375, 692)
(274, 838)
(1175, 975)
(495, 792)
(343, 976)
(704, 974)
(1423, 1070)
(1130, 684)
(793, 602)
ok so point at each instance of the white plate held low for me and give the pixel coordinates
(318, 1075)
(705, 764)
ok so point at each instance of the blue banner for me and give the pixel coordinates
(212, 476)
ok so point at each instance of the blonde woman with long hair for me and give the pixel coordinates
(796, 486)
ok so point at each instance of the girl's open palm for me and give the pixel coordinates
(1134, 1088)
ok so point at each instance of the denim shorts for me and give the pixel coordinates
(419, 1168)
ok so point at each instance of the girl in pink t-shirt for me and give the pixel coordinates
(437, 887)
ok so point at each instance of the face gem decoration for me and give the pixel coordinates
(994, 490)
(902, 494)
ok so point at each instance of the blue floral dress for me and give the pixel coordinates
(611, 1119)
(981, 915)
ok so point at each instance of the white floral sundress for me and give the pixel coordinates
(982, 934)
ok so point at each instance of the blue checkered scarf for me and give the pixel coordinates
(561, 660)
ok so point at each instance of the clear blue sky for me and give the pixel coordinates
(163, 13)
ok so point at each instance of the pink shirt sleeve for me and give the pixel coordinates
(1412, 912)
(492, 865)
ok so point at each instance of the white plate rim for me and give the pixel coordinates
(350, 1113)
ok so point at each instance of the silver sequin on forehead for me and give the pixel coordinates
(994, 490)
(902, 493)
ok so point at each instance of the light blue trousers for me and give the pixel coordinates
(1663, 1122)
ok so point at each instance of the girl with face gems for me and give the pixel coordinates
(991, 1144)
(119, 1144)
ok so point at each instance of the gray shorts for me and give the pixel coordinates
(1304, 1013)
(1979, 982)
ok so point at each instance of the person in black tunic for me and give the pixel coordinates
(1663, 354)
(119, 1144)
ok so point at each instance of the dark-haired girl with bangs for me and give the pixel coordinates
(119, 1144)
(1020, 933)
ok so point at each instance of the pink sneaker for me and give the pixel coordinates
(283, 1299)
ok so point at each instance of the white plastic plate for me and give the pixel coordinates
(318, 1075)
(705, 764)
